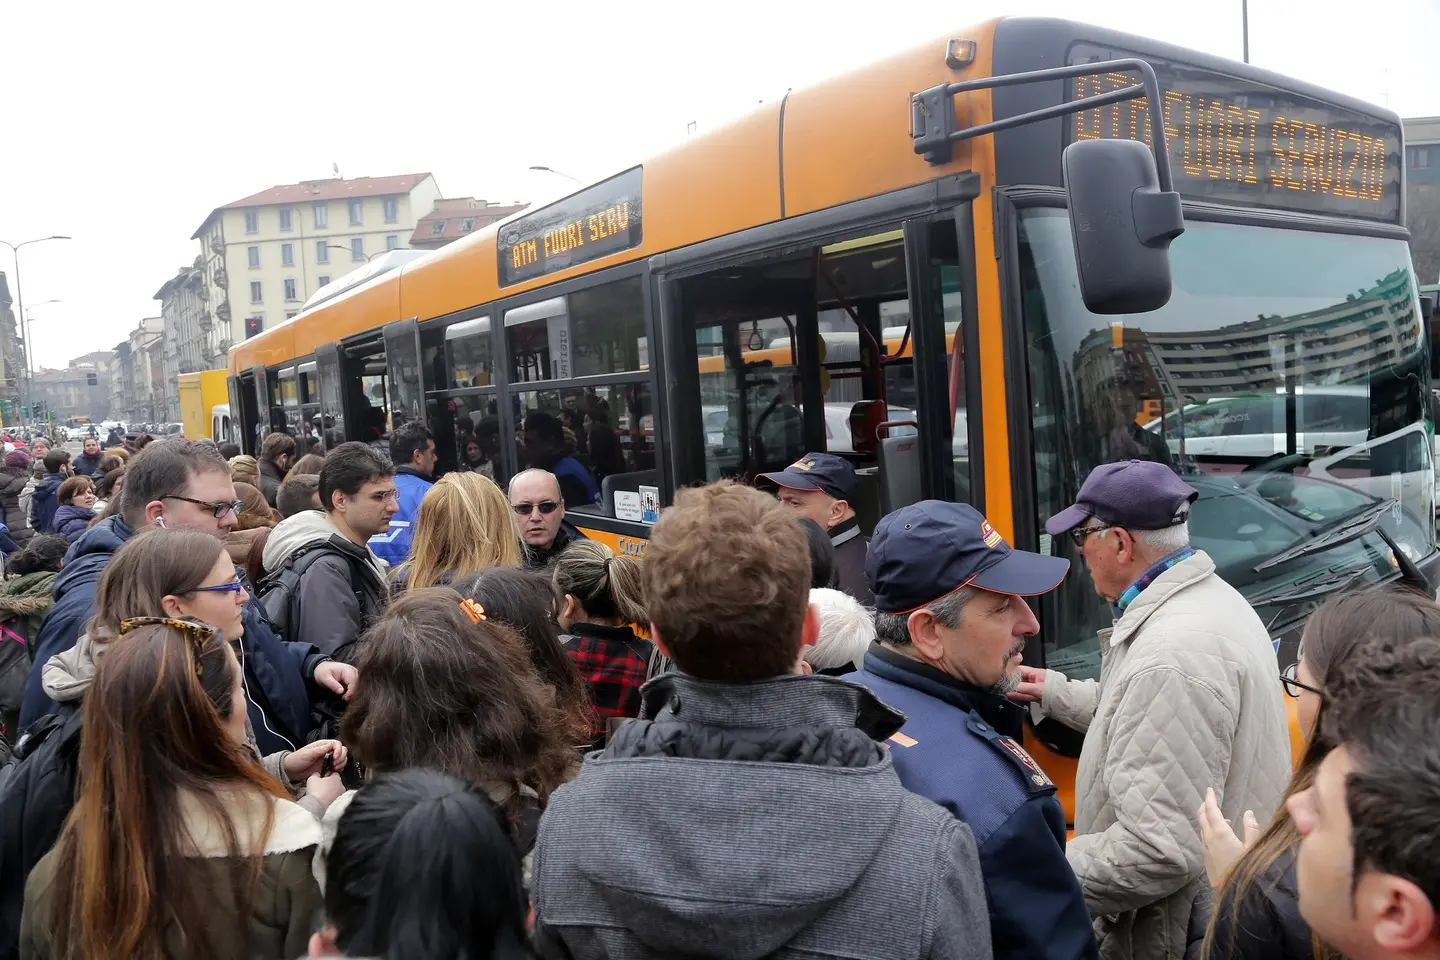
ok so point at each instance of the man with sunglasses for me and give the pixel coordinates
(1186, 701)
(184, 484)
(540, 517)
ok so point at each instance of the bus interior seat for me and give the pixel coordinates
(631, 482)
(899, 473)
(867, 501)
(865, 419)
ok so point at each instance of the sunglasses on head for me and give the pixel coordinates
(546, 507)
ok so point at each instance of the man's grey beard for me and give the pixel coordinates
(1008, 684)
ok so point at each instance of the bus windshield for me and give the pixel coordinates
(1286, 380)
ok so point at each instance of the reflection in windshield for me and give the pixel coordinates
(1286, 380)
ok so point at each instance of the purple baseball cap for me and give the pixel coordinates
(1138, 494)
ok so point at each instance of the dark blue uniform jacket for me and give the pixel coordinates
(276, 672)
(960, 748)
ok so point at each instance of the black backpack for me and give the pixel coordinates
(37, 790)
(279, 591)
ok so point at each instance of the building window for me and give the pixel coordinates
(322, 252)
(290, 313)
(357, 248)
(1420, 158)
(290, 289)
(324, 279)
(322, 214)
(252, 221)
(255, 292)
(392, 241)
(437, 228)
(287, 254)
(392, 209)
(284, 218)
(253, 254)
(357, 212)
(467, 224)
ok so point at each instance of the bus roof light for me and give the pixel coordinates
(959, 53)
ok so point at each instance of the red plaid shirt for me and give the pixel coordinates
(614, 663)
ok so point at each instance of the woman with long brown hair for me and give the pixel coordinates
(1256, 914)
(463, 526)
(180, 844)
(255, 517)
(449, 687)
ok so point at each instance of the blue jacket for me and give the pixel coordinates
(959, 747)
(71, 521)
(577, 485)
(43, 503)
(393, 546)
(276, 672)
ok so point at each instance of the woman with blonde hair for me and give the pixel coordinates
(463, 527)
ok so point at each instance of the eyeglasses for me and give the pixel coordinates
(546, 507)
(1080, 534)
(1292, 686)
(217, 509)
(234, 586)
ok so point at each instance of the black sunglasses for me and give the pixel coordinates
(1294, 687)
(546, 507)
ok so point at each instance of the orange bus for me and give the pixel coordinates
(915, 266)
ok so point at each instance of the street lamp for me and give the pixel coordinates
(20, 302)
(557, 173)
(1245, 28)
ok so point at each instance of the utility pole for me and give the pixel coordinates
(1245, 27)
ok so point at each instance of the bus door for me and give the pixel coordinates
(815, 349)
(402, 362)
(331, 409)
(253, 409)
(365, 392)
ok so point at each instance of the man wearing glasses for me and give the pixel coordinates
(540, 517)
(184, 484)
(1187, 700)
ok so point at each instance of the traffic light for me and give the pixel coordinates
(25, 410)
(91, 380)
(252, 326)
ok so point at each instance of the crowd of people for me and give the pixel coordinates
(265, 707)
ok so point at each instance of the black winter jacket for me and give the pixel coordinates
(851, 546)
(538, 558)
(37, 795)
(270, 479)
(12, 483)
(1267, 925)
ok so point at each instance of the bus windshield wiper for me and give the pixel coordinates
(1351, 528)
(1313, 589)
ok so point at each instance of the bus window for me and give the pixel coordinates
(597, 330)
(607, 435)
(468, 435)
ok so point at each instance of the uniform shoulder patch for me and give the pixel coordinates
(1038, 778)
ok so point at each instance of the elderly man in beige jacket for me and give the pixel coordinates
(1188, 698)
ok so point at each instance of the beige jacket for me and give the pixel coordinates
(282, 915)
(1189, 698)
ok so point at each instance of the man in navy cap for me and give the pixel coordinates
(951, 621)
(822, 486)
(1187, 701)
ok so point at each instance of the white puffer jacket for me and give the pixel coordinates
(1189, 697)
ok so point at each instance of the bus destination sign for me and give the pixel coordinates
(588, 225)
(1237, 142)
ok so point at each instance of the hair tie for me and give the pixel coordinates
(473, 610)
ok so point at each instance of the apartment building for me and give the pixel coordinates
(263, 255)
(1422, 195)
(69, 393)
(449, 220)
(186, 325)
(12, 357)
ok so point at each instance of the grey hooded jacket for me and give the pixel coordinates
(763, 820)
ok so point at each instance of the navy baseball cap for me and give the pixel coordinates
(924, 551)
(818, 471)
(1138, 494)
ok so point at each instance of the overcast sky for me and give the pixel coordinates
(123, 125)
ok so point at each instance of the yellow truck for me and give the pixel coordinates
(204, 405)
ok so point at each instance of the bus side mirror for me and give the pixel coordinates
(1122, 223)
